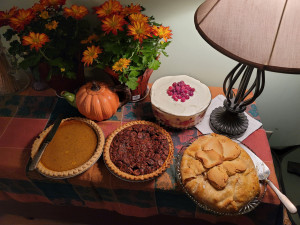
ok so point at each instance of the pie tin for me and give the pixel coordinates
(250, 206)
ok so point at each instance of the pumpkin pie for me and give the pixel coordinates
(77, 145)
(138, 151)
(219, 174)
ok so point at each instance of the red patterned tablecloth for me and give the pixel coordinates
(24, 116)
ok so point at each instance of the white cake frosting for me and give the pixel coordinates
(198, 102)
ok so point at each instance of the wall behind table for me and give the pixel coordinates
(279, 104)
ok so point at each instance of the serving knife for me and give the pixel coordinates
(38, 155)
(263, 173)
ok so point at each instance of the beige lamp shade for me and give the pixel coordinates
(261, 33)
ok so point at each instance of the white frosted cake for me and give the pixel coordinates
(179, 101)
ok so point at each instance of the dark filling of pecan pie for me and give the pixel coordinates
(139, 149)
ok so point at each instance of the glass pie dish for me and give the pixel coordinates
(250, 206)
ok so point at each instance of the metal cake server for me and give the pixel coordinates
(263, 172)
(285, 201)
(37, 157)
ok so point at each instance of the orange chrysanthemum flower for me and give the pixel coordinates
(90, 39)
(52, 25)
(132, 9)
(6, 15)
(53, 3)
(44, 15)
(38, 7)
(108, 8)
(113, 24)
(138, 17)
(123, 63)
(35, 40)
(90, 54)
(162, 32)
(139, 31)
(77, 12)
(21, 19)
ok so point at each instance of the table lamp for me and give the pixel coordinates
(261, 35)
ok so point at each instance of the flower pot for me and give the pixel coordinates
(142, 89)
(60, 83)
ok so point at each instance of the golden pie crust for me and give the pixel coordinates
(218, 173)
(130, 177)
(77, 145)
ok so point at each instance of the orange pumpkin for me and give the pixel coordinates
(96, 101)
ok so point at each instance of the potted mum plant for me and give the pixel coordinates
(47, 39)
(127, 44)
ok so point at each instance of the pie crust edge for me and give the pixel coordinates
(123, 175)
(80, 169)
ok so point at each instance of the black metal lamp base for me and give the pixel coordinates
(230, 119)
(228, 123)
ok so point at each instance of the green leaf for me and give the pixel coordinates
(30, 61)
(101, 66)
(133, 73)
(70, 75)
(112, 47)
(59, 62)
(165, 44)
(122, 79)
(145, 60)
(136, 59)
(155, 64)
(132, 83)
(149, 51)
(165, 54)
(156, 24)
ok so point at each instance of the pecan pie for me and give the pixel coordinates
(138, 151)
(219, 173)
(77, 145)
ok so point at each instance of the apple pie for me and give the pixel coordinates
(218, 173)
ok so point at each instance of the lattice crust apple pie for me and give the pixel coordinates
(218, 173)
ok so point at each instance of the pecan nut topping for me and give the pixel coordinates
(138, 151)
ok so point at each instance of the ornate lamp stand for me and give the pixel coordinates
(230, 119)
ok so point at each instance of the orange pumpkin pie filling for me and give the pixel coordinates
(77, 144)
(73, 144)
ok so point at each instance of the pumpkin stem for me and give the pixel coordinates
(95, 86)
